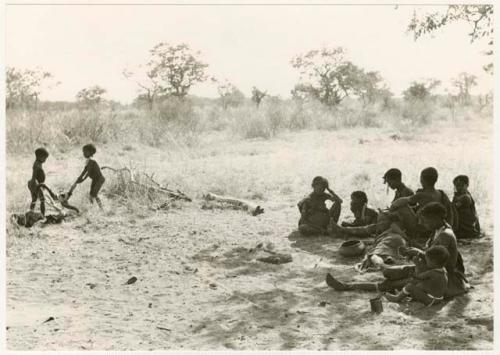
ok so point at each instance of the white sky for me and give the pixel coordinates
(248, 45)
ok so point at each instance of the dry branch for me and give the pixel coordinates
(177, 195)
(251, 208)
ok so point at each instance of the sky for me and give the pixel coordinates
(247, 45)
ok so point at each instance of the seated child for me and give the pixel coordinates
(37, 181)
(468, 223)
(363, 215)
(429, 282)
(315, 217)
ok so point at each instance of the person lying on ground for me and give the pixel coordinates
(363, 215)
(92, 171)
(428, 284)
(428, 193)
(468, 222)
(38, 179)
(315, 217)
(396, 277)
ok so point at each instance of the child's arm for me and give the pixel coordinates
(334, 196)
(463, 200)
(83, 175)
(405, 201)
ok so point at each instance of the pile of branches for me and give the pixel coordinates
(133, 185)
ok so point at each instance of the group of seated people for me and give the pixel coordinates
(421, 227)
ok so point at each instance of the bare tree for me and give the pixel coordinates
(148, 84)
(229, 95)
(479, 17)
(421, 90)
(23, 87)
(464, 83)
(91, 97)
(258, 95)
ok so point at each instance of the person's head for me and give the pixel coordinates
(436, 256)
(461, 183)
(358, 200)
(89, 150)
(41, 154)
(433, 215)
(319, 184)
(392, 178)
(428, 177)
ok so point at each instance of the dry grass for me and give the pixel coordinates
(162, 248)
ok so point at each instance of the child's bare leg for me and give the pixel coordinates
(418, 294)
(307, 229)
(42, 202)
(99, 203)
(398, 297)
(377, 261)
(34, 197)
(42, 207)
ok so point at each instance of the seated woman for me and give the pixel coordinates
(468, 223)
(315, 217)
(428, 193)
(433, 219)
(363, 215)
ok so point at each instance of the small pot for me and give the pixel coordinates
(352, 248)
(376, 305)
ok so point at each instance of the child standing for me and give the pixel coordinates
(38, 179)
(468, 223)
(315, 217)
(428, 284)
(92, 171)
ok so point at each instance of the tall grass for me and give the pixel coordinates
(176, 122)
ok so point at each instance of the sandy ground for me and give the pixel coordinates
(199, 284)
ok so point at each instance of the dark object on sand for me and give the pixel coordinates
(131, 281)
(376, 305)
(28, 219)
(276, 259)
(54, 219)
(352, 248)
(49, 319)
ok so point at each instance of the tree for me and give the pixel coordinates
(420, 91)
(479, 17)
(176, 68)
(464, 83)
(149, 85)
(91, 97)
(23, 87)
(171, 71)
(326, 76)
(230, 95)
(258, 95)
